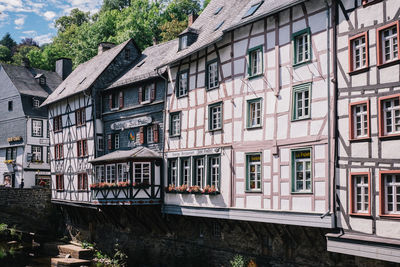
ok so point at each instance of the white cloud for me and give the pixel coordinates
(20, 21)
(43, 39)
(49, 15)
(31, 33)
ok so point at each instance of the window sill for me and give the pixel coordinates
(80, 125)
(114, 109)
(361, 215)
(60, 190)
(249, 128)
(212, 88)
(361, 139)
(41, 136)
(254, 191)
(83, 190)
(145, 102)
(371, 3)
(175, 136)
(58, 131)
(302, 193)
(82, 157)
(296, 65)
(250, 77)
(301, 119)
(182, 96)
(390, 216)
(214, 130)
(390, 136)
(358, 71)
(388, 64)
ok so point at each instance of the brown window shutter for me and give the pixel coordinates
(140, 95)
(141, 135)
(351, 63)
(61, 149)
(155, 133)
(121, 99)
(153, 93)
(109, 141)
(78, 150)
(110, 101)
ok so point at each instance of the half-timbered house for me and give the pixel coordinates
(368, 171)
(249, 116)
(24, 140)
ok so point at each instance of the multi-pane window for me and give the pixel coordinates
(59, 182)
(252, 9)
(36, 103)
(147, 93)
(183, 42)
(110, 173)
(358, 52)
(185, 171)
(150, 134)
(214, 162)
(183, 84)
(175, 124)
(48, 155)
(302, 46)
(82, 181)
(253, 172)
(36, 153)
(360, 193)
(359, 120)
(37, 128)
(212, 75)
(82, 148)
(11, 153)
(301, 101)
(254, 113)
(122, 172)
(215, 117)
(255, 61)
(100, 178)
(58, 151)
(199, 171)
(142, 172)
(391, 116)
(391, 190)
(57, 123)
(80, 116)
(100, 143)
(116, 141)
(301, 170)
(116, 100)
(389, 44)
(173, 171)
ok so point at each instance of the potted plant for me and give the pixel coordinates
(210, 190)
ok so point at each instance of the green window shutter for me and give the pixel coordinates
(247, 172)
(293, 171)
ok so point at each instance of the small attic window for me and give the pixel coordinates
(252, 9)
(127, 54)
(36, 103)
(218, 10)
(183, 42)
(141, 63)
(219, 26)
(42, 80)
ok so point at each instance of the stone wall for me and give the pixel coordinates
(30, 210)
(150, 239)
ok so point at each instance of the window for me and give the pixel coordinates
(127, 53)
(147, 92)
(301, 101)
(215, 117)
(116, 141)
(182, 83)
(301, 46)
(100, 174)
(110, 173)
(172, 171)
(359, 120)
(214, 174)
(82, 181)
(219, 25)
(48, 129)
(212, 75)
(255, 61)
(388, 39)
(389, 116)
(36, 103)
(10, 105)
(175, 124)
(254, 113)
(57, 123)
(116, 100)
(183, 42)
(359, 193)
(80, 116)
(301, 166)
(48, 155)
(81, 148)
(122, 172)
(58, 152)
(253, 173)
(390, 193)
(150, 134)
(37, 128)
(100, 143)
(185, 171)
(199, 170)
(142, 173)
(358, 52)
(252, 9)
(11, 153)
(36, 153)
(60, 182)
(42, 80)
(218, 10)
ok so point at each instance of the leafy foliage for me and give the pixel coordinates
(238, 261)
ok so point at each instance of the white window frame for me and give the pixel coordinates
(140, 177)
(304, 171)
(183, 83)
(184, 42)
(395, 197)
(175, 124)
(215, 165)
(392, 110)
(303, 104)
(215, 117)
(212, 75)
(360, 120)
(36, 153)
(389, 42)
(255, 113)
(147, 93)
(150, 134)
(253, 175)
(110, 173)
(174, 171)
(37, 128)
(360, 52)
(36, 103)
(303, 42)
(256, 62)
(360, 183)
(100, 143)
(185, 177)
(100, 175)
(122, 172)
(200, 167)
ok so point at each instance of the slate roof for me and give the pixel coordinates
(145, 68)
(23, 79)
(232, 15)
(85, 74)
(121, 155)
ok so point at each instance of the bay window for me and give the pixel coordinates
(110, 173)
(142, 172)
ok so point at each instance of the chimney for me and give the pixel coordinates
(192, 19)
(104, 46)
(25, 62)
(154, 41)
(64, 67)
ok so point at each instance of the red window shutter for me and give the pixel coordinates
(140, 95)
(155, 133)
(153, 93)
(110, 101)
(351, 63)
(109, 141)
(121, 99)
(141, 135)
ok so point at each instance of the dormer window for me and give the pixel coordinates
(36, 103)
(252, 9)
(41, 79)
(183, 42)
(127, 54)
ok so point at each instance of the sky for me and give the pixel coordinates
(35, 18)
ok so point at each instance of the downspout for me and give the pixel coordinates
(163, 142)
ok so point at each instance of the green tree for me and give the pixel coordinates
(8, 41)
(171, 29)
(76, 17)
(5, 54)
(22, 53)
(180, 9)
(115, 4)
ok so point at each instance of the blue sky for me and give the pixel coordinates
(35, 18)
